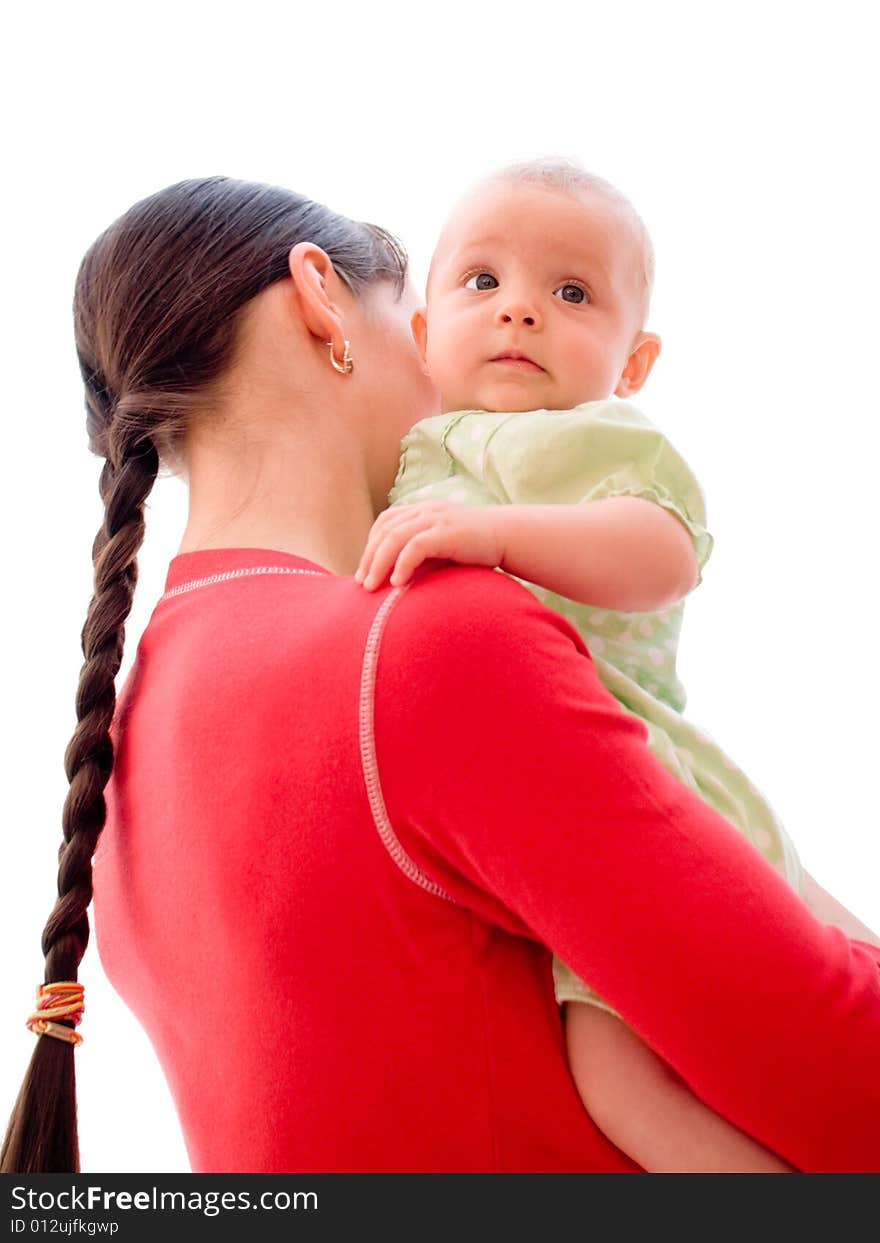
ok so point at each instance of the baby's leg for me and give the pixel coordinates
(645, 1109)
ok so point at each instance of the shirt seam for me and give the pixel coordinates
(390, 840)
(226, 575)
(369, 760)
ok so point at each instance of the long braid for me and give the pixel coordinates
(42, 1135)
(157, 310)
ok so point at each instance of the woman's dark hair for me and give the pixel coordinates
(156, 316)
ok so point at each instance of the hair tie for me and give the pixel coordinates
(60, 999)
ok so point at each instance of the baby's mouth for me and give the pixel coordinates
(517, 360)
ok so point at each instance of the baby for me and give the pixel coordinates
(537, 299)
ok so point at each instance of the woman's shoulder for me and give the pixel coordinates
(448, 594)
(473, 624)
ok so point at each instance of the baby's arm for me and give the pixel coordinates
(623, 553)
(645, 1108)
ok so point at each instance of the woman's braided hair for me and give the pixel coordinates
(156, 314)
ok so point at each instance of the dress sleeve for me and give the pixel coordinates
(517, 784)
(597, 450)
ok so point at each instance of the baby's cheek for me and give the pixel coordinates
(450, 368)
(446, 355)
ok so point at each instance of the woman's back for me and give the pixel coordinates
(314, 1007)
(345, 831)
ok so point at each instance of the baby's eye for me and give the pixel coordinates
(572, 293)
(481, 280)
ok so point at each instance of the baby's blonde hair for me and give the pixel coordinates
(569, 177)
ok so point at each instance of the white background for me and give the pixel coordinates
(746, 137)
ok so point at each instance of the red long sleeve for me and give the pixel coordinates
(534, 802)
(345, 831)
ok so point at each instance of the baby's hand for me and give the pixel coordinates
(402, 538)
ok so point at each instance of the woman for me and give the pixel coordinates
(345, 830)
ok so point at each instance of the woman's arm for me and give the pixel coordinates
(646, 1110)
(623, 553)
(514, 781)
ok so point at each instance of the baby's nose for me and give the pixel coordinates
(518, 312)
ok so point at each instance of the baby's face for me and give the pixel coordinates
(534, 301)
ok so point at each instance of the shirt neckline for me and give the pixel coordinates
(187, 566)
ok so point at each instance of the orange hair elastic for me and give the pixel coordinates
(60, 999)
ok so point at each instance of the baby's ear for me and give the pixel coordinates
(639, 364)
(419, 327)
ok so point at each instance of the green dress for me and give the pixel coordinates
(599, 449)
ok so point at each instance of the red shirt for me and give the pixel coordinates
(345, 831)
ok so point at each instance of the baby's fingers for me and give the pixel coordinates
(415, 551)
(393, 530)
(384, 555)
(386, 521)
(381, 562)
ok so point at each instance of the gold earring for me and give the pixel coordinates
(347, 365)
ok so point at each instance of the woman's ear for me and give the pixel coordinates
(639, 364)
(313, 279)
(419, 326)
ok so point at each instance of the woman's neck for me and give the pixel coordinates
(268, 485)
